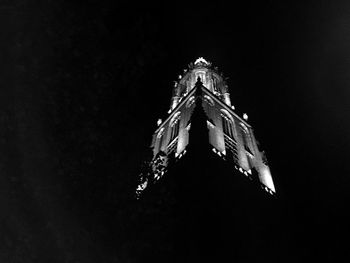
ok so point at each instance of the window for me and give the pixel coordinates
(231, 147)
(190, 102)
(227, 126)
(172, 146)
(160, 138)
(175, 130)
(215, 85)
(208, 100)
(246, 138)
(160, 133)
(174, 126)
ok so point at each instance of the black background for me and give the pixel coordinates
(83, 84)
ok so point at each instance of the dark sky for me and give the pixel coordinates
(84, 83)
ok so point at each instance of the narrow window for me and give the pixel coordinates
(246, 139)
(175, 127)
(160, 138)
(227, 126)
(209, 100)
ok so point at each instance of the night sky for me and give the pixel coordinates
(83, 83)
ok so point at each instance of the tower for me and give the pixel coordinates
(231, 137)
(207, 190)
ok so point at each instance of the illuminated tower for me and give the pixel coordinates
(207, 192)
(231, 137)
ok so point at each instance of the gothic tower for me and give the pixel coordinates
(230, 136)
(207, 192)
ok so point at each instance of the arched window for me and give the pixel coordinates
(246, 138)
(174, 126)
(160, 137)
(209, 100)
(190, 102)
(160, 133)
(227, 124)
(228, 127)
(215, 84)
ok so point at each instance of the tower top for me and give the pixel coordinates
(202, 62)
(210, 78)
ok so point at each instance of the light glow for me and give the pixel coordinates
(142, 186)
(209, 124)
(245, 116)
(201, 60)
(266, 179)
